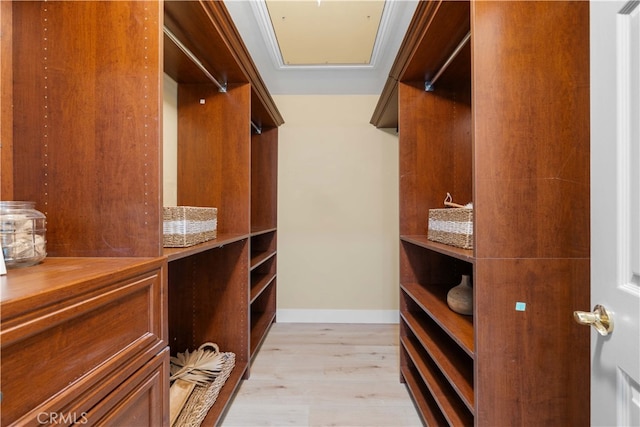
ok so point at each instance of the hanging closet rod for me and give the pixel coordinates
(221, 86)
(257, 128)
(428, 86)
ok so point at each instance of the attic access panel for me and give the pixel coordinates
(325, 32)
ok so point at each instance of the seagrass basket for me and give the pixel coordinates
(203, 397)
(451, 226)
(188, 225)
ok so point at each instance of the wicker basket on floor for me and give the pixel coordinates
(202, 398)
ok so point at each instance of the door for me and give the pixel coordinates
(615, 210)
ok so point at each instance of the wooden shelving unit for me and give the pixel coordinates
(222, 291)
(264, 234)
(81, 124)
(487, 101)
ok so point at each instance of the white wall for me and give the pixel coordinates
(337, 208)
(337, 211)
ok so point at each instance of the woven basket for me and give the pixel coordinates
(187, 225)
(451, 226)
(202, 398)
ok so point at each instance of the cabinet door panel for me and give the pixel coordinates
(56, 353)
(142, 400)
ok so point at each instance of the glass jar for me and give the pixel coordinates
(22, 234)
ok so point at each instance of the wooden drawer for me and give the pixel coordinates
(142, 400)
(72, 348)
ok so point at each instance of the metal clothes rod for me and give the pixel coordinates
(428, 86)
(257, 128)
(221, 86)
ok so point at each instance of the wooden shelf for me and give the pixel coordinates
(232, 168)
(257, 231)
(263, 314)
(434, 302)
(261, 257)
(259, 283)
(259, 330)
(173, 254)
(457, 367)
(452, 251)
(228, 390)
(447, 399)
(428, 407)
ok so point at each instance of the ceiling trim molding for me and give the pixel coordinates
(322, 80)
(261, 13)
(381, 37)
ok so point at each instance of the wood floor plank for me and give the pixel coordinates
(325, 374)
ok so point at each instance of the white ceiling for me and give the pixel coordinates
(332, 76)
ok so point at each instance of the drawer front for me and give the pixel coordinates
(58, 354)
(142, 400)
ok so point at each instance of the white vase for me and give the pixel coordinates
(460, 297)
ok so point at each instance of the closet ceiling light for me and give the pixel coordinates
(325, 32)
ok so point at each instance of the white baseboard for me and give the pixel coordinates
(337, 316)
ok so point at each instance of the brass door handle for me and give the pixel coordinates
(599, 318)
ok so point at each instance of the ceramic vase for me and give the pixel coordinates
(460, 297)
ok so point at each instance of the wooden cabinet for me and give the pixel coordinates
(83, 336)
(82, 80)
(491, 100)
(84, 333)
(81, 136)
(222, 291)
(264, 218)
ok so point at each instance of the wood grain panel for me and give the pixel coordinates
(531, 133)
(533, 365)
(264, 180)
(209, 300)
(214, 152)
(6, 101)
(435, 154)
(82, 124)
(532, 218)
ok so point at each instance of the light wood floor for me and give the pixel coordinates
(325, 375)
